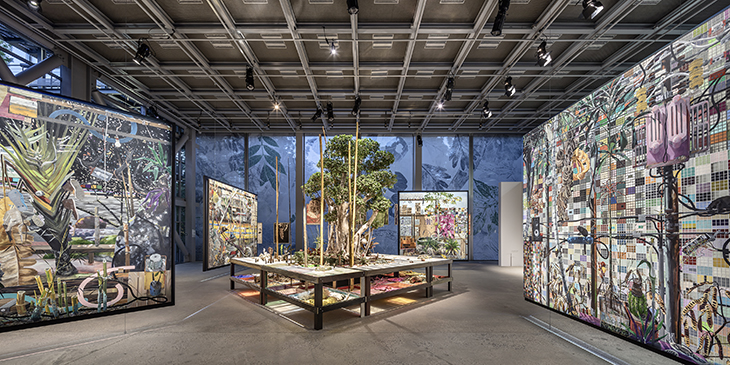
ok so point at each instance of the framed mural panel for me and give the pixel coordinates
(434, 223)
(85, 207)
(231, 217)
(626, 202)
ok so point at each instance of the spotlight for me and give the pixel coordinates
(333, 49)
(500, 18)
(330, 113)
(352, 7)
(317, 114)
(356, 108)
(509, 89)
(276, 106)
(449, 88)
(591, 8)
(419, 140)
(486, 113)
(34, 5)
(543, 56)
(249, 78)
(440, 105)
(143, 50)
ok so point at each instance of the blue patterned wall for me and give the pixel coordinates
(445, 166)
(222, 158)
(496, 159)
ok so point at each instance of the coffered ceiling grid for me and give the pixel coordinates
(396, 55)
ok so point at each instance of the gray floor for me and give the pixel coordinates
(481, 322)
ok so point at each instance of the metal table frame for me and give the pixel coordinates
(364, 273)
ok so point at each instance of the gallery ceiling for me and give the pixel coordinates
(397, 55)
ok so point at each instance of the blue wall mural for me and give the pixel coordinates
(496, 159)
(445, 166)
(222, 158)
(263, 153)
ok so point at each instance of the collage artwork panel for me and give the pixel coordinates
(232, 221)
(85, 209)
(604, 181)
(434, 223)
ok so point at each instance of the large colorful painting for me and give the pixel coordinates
(85, 209)
(232, 228)
(434, 223)
(626, 202)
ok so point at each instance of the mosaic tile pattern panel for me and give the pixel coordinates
(626, 202)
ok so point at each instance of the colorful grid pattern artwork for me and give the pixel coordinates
(626, 202)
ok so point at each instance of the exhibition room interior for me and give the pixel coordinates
(364, 181)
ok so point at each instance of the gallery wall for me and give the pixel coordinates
(86, 210)
(599, 244)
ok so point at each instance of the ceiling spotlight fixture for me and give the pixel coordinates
(500, 18)
(356, 108)
(419, 140)
(591, 8)
(332, 46)
(330, 112)
(440, 105)
(352, 7)
(449, 88)
(34, 5)
(543, 56)
(317, 114)
(486, 113)
(276, 105)
(249, 78)
(509, 89)
(143, 50)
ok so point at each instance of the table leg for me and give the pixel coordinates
(318, 306)
(429, 280)
(362, 293)
(264, 284)
(450, 277)
(365, 290)
(233, 270)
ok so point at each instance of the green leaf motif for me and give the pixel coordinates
(254, 149)
(272, 152)
(253, 160)
(267, 174)
(270, 141)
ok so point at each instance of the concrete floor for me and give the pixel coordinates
(481, 322)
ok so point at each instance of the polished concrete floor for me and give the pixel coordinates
(481, 322)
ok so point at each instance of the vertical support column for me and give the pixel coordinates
(470, 206)
(190, 213)
(76, 80)
(418, 165)
(318, 315)
(301, 227)
(245, 162)
(671, 209)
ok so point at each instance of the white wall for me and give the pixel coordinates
(510, 223)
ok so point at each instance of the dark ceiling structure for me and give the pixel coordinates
(396, 56)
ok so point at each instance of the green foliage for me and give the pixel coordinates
(156, 163)
(81, 241)
(109, 240)
(373, 176)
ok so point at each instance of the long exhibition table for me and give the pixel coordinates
(365, 274)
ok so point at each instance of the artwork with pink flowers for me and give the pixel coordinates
(434, 223)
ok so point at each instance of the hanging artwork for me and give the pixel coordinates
(231, 218)
(434, 223)
(626, 202)
(313, 214)
(85, 198)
